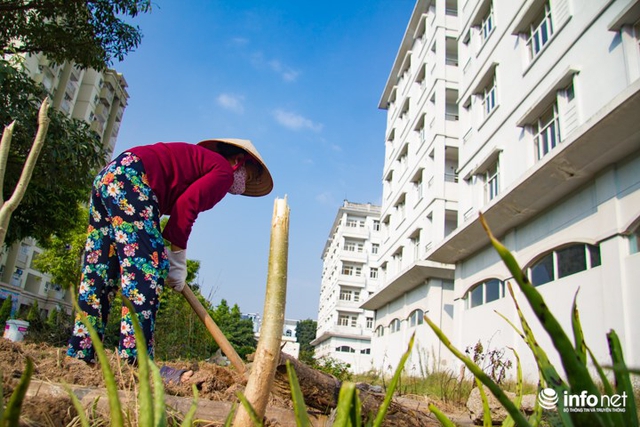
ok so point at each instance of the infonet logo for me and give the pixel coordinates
(583, 402)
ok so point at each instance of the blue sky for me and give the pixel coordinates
(302, 80)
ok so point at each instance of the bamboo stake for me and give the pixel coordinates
(214, 330)
(268, 351)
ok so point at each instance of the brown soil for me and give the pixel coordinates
(214, 383)
(51, 365)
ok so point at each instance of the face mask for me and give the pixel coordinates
(239, 181)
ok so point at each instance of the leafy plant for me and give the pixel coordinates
(5, 309)
(573, 357)
(492, 361)
(335, 367)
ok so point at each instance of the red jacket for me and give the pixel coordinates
(187, 179)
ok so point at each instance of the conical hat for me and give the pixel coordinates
(260, 186)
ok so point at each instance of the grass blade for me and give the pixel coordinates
(159, 406)
(578, 336)
(188, 419)
(11, 414)
(486, 412)
(382, 412)
(115, 408)
(482, 376)
(145, 397)
(229, 420)
(346, 403)
(508, 422)
(623, 381)
(577, 373)
(444, 421)
(252, 412)
(299, 408)
(82, 417)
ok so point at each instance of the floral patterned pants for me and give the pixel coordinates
(124, 250)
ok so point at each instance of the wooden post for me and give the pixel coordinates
(268, 351)
(214, 330)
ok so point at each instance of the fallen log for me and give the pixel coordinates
(214, 412)
(321, 390)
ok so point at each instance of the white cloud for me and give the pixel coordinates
(231, 102)
(295, 121)
(240, 41)
(288, 74)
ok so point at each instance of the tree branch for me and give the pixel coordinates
(7, 135)
(27, 170)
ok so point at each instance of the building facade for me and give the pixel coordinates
(420, 190)
(548, 150)
(290, 344)
(349, 276)
(98, 98)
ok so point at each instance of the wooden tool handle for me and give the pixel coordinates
(215, 331)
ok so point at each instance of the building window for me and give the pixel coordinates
(547, 131)
(394, 326)
(492, 182)
(346, 295)
(484, 292)
(540, 32)
(564, 262)
(380, 331)
(355, 222)
(416, 318)
(365, 351)
(373, 273)
(376, 225)
(374, 248)
(351, 270)
(343, 320)
(489, 97)
(345, 349)
(486, 27)
(353, 246)
(369, 322)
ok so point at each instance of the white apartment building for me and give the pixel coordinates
(98, 98)
(549, 105)
(420, 190)
(349, 276)
(548, 97)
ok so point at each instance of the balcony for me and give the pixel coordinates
(568, 167)
(410, 278)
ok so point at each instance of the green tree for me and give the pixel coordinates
(5, 310)
(90, 33)
(238, 331)
(305, 333)
(66, 166)
(62, 257)
(34, 318)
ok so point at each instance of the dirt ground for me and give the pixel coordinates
(215, 383)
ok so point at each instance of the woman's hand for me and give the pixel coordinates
(177, 276)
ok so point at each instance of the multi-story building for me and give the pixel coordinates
(420, 189)
(549, 102)
(349, 275)
(290, 344)
(546, 146)
(98, 98)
